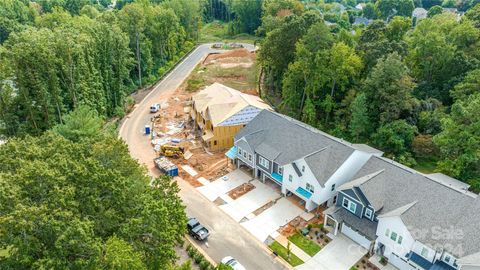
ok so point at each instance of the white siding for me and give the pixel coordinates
(307, 177)
(394, 224)
(344, 174)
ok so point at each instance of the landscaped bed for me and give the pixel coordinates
(307, 245)
(283, 252)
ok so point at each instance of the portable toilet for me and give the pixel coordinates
(147, 129)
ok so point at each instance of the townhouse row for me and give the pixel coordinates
(416, 221)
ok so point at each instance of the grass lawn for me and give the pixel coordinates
(218, 31)
(426, 165)
(307, 245)
(282, 252)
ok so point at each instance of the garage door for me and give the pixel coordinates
(400, 263)
(355, 236)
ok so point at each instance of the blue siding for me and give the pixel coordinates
(358, 210)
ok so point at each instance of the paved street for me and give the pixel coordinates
(227, 236)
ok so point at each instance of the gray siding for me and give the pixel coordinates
(275, 167)
(246, 148)
(358, 211)
(269, 169)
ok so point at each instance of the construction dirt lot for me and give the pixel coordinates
(234, 68)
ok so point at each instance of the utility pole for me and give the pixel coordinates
(139, 59)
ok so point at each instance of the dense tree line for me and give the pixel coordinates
(54, 56)
(73, 198)
(408, 88)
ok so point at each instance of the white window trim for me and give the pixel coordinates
(249, 157)
(264, 162)
(370, 213)
(426, 252)
(309, 187)
(349, 204)
(290, 178)
(280, 171)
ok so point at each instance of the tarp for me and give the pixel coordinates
(232, 152)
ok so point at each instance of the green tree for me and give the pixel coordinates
(440, 53)
(388, 90)
(459, 142)
(369, 11)
(120, 255)
(282, 41)
(247, 15)
(467, 88)
(389, 8)
(435, 10)
(379, 40)
(360, 122)
(395, 137)
(81, 123)
(474, 15)
(70, 198)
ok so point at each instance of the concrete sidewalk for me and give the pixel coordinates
(302, 255)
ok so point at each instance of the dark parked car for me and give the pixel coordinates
(196, 230)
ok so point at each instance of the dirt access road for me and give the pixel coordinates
(227, 236)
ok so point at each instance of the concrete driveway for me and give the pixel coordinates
(270, 220)
(340, 254)
(251, 201)
(224, 184)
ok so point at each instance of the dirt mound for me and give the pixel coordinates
(232, 53)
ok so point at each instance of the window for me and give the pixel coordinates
(400, 239)
(280, 170)
(447, 258)
(424, 252)
(240, 151)
(244, 154)
(249, 157)
(387, 233)
(303, 168)
(309, 187)
(333, 187)
(290, 178)
(394, 236)
(215, 142)
(264, 162)
(368, 213)
(351, 206)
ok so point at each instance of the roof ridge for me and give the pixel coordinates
(317, 151)
(361, 180)
(399, 210)
(315, 130)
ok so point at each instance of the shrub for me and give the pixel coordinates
(191, 251)
(198, 257)
(204, 264)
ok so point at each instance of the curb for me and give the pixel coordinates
(200, 249)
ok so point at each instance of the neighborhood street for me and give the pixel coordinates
(228, 238)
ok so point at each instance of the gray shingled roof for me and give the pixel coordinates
(432, 205)
(284, 140)
(364, 226)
